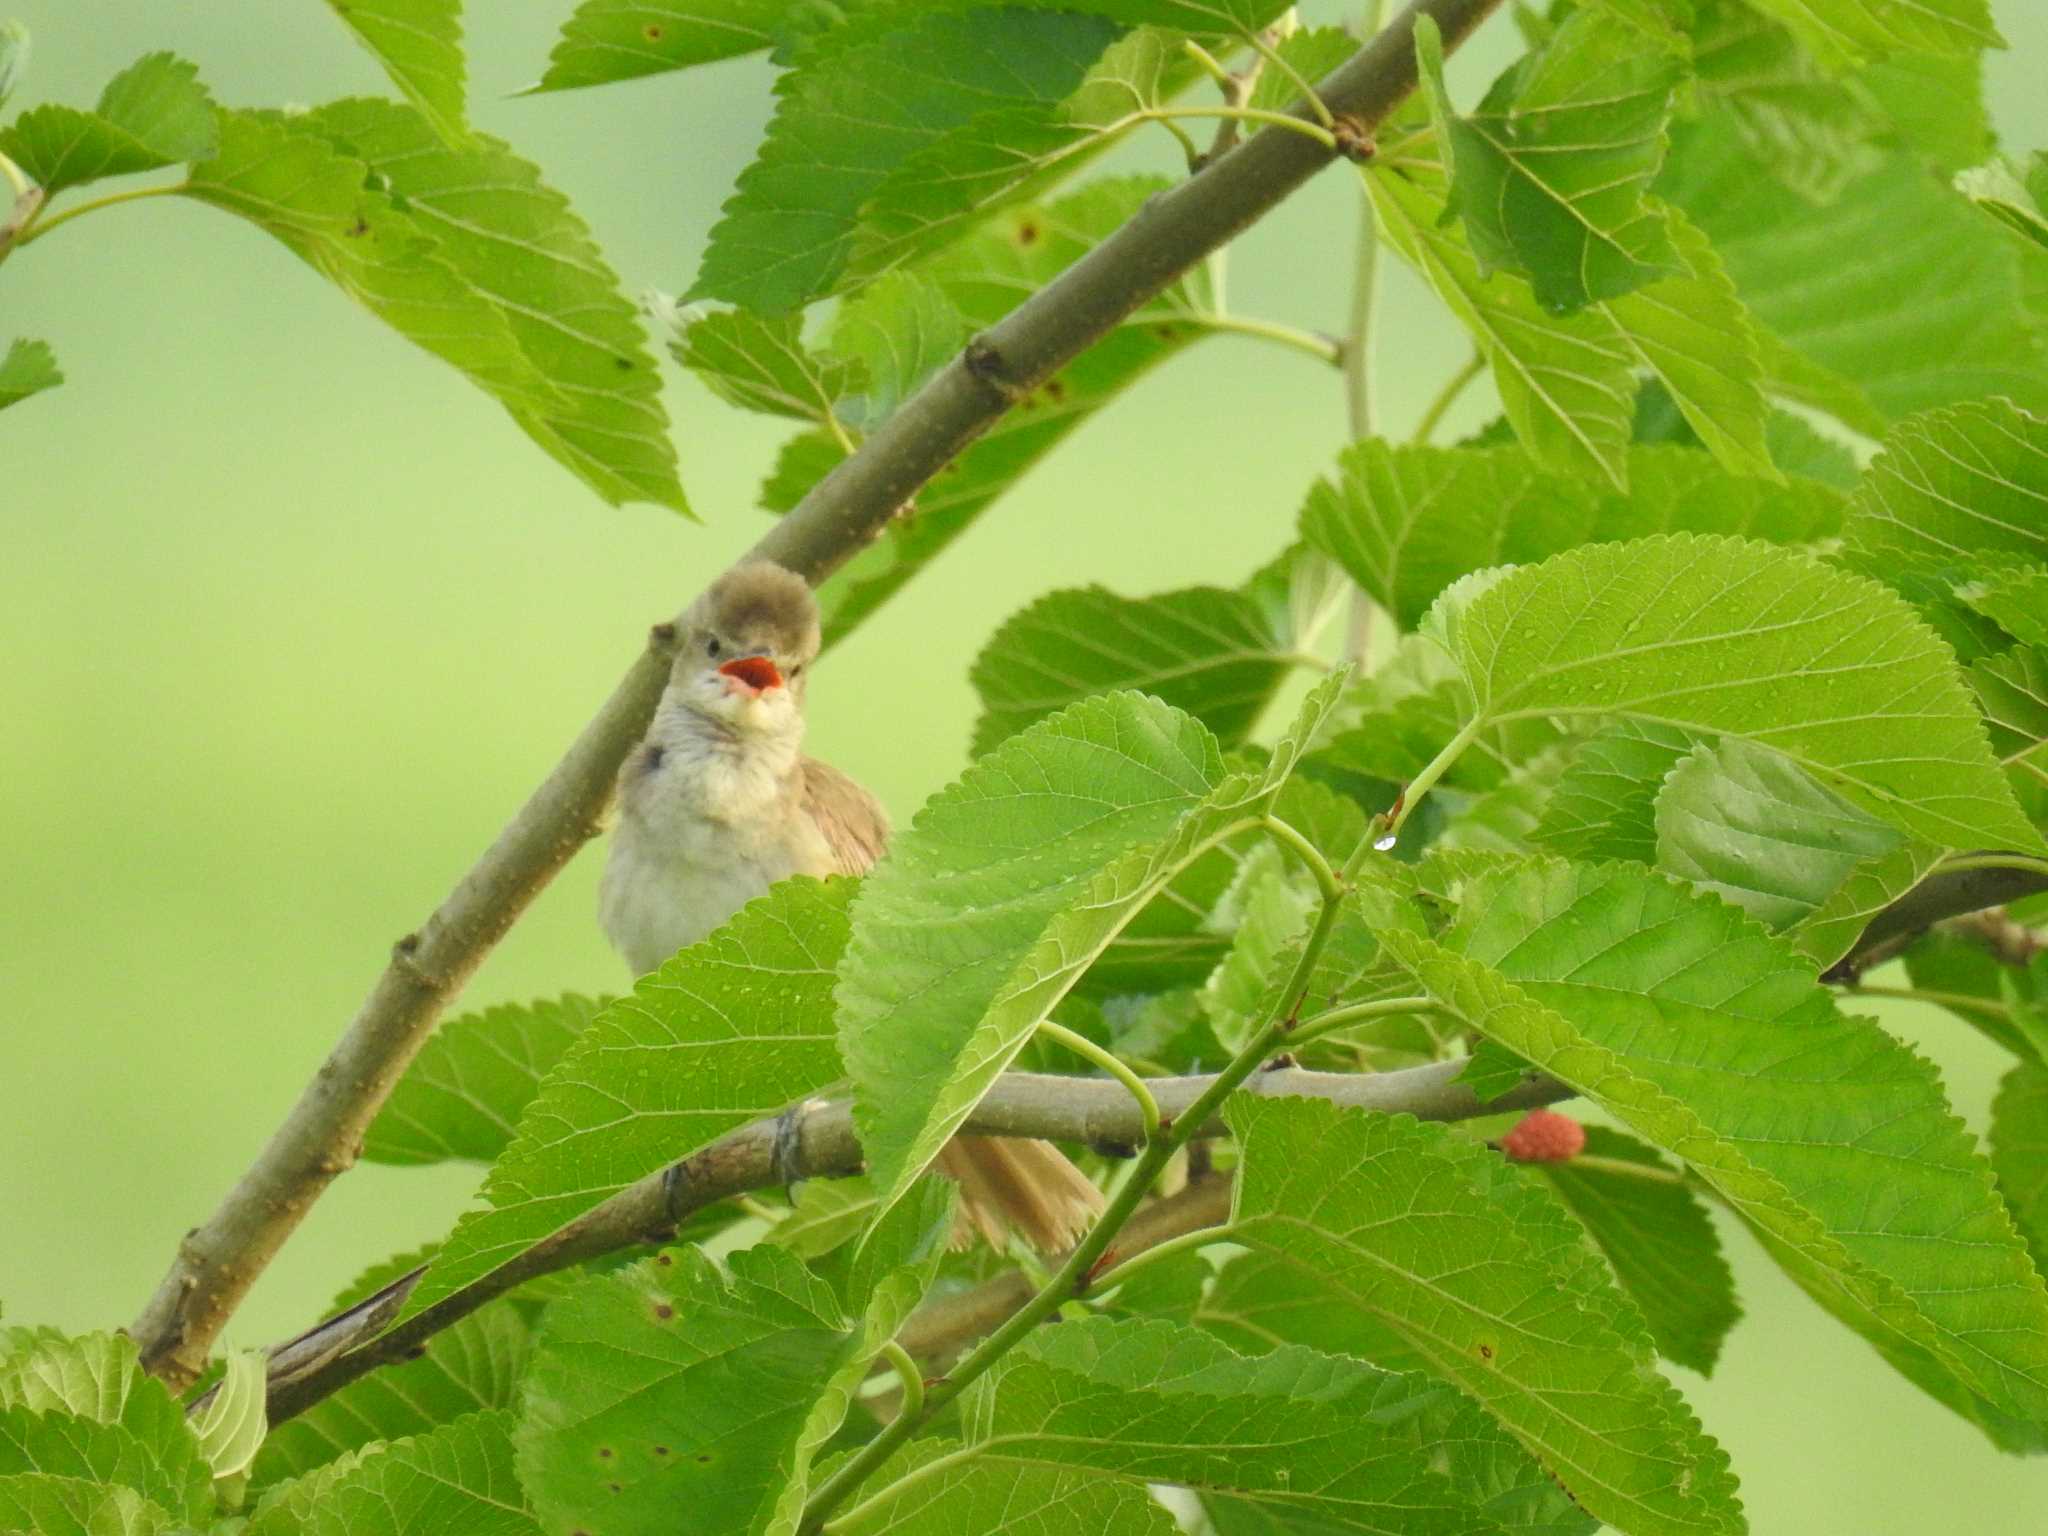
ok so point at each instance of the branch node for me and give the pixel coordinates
(785, 1158)
(1354, 140)
(405, 956)
(1281, 1063)
(985, 362)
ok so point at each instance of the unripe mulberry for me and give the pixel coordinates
(1544, 1136)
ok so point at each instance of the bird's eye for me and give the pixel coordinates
(796, 669)
(711, 645)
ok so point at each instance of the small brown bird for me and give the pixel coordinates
(719, 803)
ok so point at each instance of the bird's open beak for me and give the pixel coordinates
(755, 675)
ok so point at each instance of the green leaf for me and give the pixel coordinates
(2019, 1152)
(232, 1425)
(984, 277)
(1313, 1438)
(1604, 804)
(2012, 689)
(457, 1481)
(1659, 1239)
(1313, 52)
(1997, 188)
(39, 1504)
(2017, 600)
(153, 114)
(467, 1088)
(1480, 1271)
(1757, 831)
(82, 1408)
(519, 248)
(898, 330)
(419, 43)
(924, 1491)
(13, 57)
(731, 1030)
(1968, 481)
(1549, 174)
(1728, 635)
(609, 40)
(474, 1364)
(760, 363)
(788, 230)
(28, 368)
(1566, 382)
(824, 1214)
(1710, 1038)
(1935, 310)
(1005, 889)
(673, 1397)
(1850, 31)
(1206, 650)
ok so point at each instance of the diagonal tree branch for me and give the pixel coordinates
(816, 1140)
(218, 1261)
(1942, 895)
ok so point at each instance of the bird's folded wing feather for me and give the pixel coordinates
(853, 822)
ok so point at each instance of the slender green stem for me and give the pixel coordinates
(1201, 1237)
(1211, 65)
(924, 1473)
(16, 177)
(1110, 1062)
(1376, 835)
(2027, 863)
(1962, 1001)
(1322, 136)
(1330, 1022)
(1327, 880)
(1433, 414)
(133, 194)
(1077, 1273)
(1275, 60)
(1311, 342)
(1365, 290)
(1424, 781)
(1623, 1168)
(909, 1375)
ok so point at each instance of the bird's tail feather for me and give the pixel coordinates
(1008, 1182)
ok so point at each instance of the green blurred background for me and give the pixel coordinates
(292, 618)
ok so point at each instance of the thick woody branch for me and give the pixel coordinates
(219, 1260)
(816, 1140)
(1933, 900)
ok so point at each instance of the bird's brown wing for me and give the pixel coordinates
(855, 826)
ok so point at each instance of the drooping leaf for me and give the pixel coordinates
(1710, 1038)
(1659, 1239)
(741, 1026)
(1549, 174)
(1604, 804)
(457, 1481)
(1207, 650)
(518, 247)
(2019, 1152)
(465, 1091)
(923, 1491)
(674, 1397)
(232, 1425)
(1850, 31)
(1007, 887)
(1956, 484)
(1736, 637)
(1483, 1274)
(153, 114)
(760, 363)
(788, 230)
(419, 43)
(28, 368)
(610, 40)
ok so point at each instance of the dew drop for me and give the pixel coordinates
(1385, 843)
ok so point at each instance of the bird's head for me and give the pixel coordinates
(746, 646)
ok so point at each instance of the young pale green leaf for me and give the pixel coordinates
(28, 368)
(1758, 831)
(930, 1489)
(232, 1425)
(153, 114)
(2019, 1151)
(1966, 482)
(1567, 382)
(2016, 600)
(1936, 310)
(788, 231)
(1710, 1038)
(760, 363)
(457, 1481)
(1997, 188)
(984, 277)
(465, 1091)
(1317, 1439)
(1851, 31)
(731, 1030)
(518, 247)
(1659, 1239)
(1482, 1273)
(1007, 887)
(898, 330)
(1549, 174)
(1208, 650)
(673, 1397)
(43, 1504)
(474, 1364)
(82, 1408)
(419, 43)
(1733, 636)
(610, 40)
(1604, 804)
